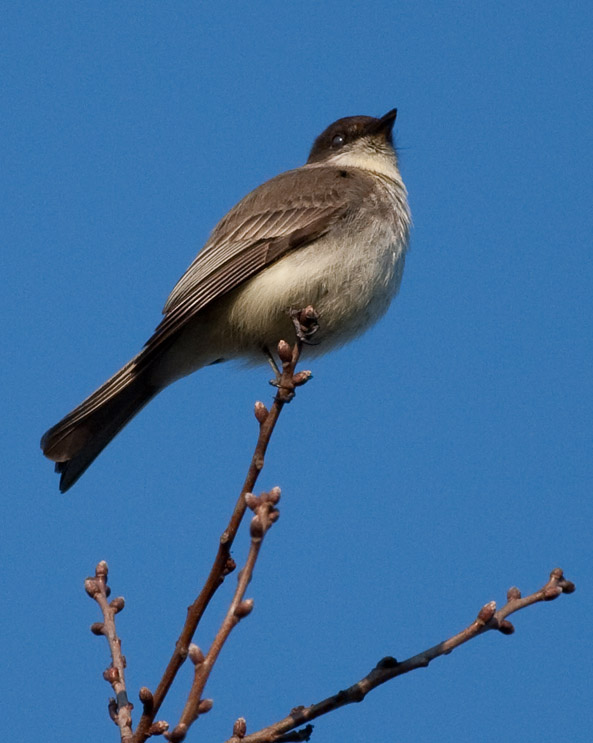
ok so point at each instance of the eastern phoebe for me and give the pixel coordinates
(332, 234)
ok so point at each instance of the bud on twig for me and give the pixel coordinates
(513, 593)
(261, 412)
(229, 566)
(240, 727)
(97, 628)
(204, 706)
(111, 675)
(112, 709)
(195, 654)
(487, 612)
(284, 352)
(387, 662)
(301, 377)
(257, 528)
(252, 501)
(244, 608)
(145, 696)
(273, 496)
(158, 728)
(92, 587)
(117, 604)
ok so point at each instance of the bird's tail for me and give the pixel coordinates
(75, 442)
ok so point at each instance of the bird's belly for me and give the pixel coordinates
(350, 283)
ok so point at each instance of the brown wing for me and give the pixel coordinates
(291, 210)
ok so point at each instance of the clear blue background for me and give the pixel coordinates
(428, 467)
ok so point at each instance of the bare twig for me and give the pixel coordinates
(266, 513)
(223, 563)
(388, 668)
(119, 708)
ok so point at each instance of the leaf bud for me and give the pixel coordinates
(240, 727)
(244, 608)
(204, 706)
(284, 352)
(195, 654)
(487, 612)
(117, 604)
(261, 412)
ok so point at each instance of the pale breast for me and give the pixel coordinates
(350, 276)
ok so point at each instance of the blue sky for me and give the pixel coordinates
(427, 467)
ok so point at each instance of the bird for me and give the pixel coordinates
(331, 234)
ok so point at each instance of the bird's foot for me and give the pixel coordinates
(306, 324)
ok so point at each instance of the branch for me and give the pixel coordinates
(119, 708)
(266, 514)
(388, 668)
(305, 322)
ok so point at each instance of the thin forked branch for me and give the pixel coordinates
(305, 322)
(266, 513)
(388, 668)
(223, 563)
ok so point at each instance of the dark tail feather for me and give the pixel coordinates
(81, 436)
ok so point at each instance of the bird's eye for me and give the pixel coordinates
(338, 141)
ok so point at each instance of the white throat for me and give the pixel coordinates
(366, 159)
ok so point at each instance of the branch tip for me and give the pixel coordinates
(272, 496)
(145, 695)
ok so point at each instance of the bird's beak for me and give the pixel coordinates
(384, 125)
